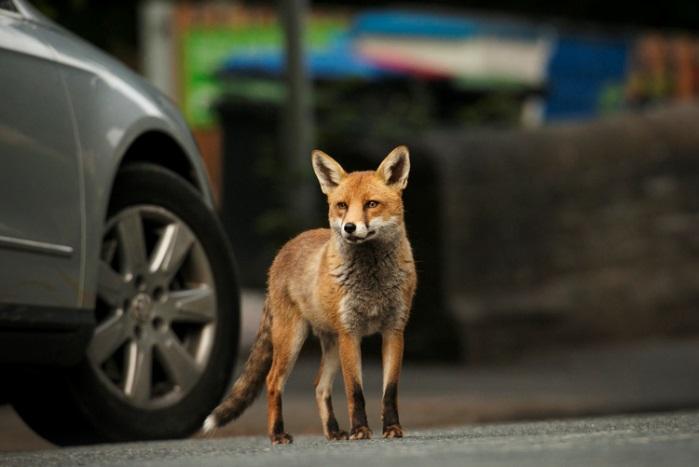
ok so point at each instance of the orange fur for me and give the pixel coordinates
(354, 279)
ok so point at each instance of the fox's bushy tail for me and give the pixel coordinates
(248, 385)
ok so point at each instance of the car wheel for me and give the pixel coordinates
(167, 316)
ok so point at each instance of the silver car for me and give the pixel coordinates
(119, 306)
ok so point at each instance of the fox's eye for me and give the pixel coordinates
(372, 204)
(341, 205)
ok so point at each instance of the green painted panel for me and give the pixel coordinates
(205, 49)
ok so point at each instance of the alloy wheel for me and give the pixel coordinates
(156, 308)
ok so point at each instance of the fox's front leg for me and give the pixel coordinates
(351, 362)
(329, 364)
(392, 353)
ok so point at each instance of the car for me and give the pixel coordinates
(119, 300)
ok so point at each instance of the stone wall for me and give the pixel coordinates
(569, 233)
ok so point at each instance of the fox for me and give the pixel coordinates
(351, 280)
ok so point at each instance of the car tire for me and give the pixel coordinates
(89, 403)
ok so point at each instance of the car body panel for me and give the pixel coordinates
(110, 107)
(111, 111)
(40, 185)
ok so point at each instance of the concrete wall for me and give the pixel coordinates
(569, 233)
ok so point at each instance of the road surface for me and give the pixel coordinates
(649, 376)
(663, 439)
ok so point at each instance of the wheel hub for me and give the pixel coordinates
(141, 308)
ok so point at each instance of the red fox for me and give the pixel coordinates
(354, 279)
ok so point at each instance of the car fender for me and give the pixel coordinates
(111, 107)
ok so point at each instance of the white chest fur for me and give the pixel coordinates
(372, 281)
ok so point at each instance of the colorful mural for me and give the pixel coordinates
(663, 68)
(577, 75)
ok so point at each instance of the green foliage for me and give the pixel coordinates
(497, 108)
(352, 110)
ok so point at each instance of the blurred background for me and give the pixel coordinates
(553, 203)
(552, 199)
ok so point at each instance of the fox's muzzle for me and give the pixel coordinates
(355, 232)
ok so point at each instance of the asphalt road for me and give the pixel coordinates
(661, 439)
(649, 376)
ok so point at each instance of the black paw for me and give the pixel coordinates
(281, 438)
(360, 432)
(392, 431)
(337, 435)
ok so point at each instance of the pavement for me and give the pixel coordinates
(642, 377)
(662, 439)
(649, 376)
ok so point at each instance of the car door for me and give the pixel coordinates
(40, 175)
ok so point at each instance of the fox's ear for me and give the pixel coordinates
(395, 168)
(328, 171)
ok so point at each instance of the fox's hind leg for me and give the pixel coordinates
(329, 364)
(289, 331)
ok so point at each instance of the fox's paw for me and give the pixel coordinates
(337, 435)
(392, 431)
(281, 438)
(360, 432)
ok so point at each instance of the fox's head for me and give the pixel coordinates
(364, 205)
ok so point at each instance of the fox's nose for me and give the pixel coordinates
(350, 227)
